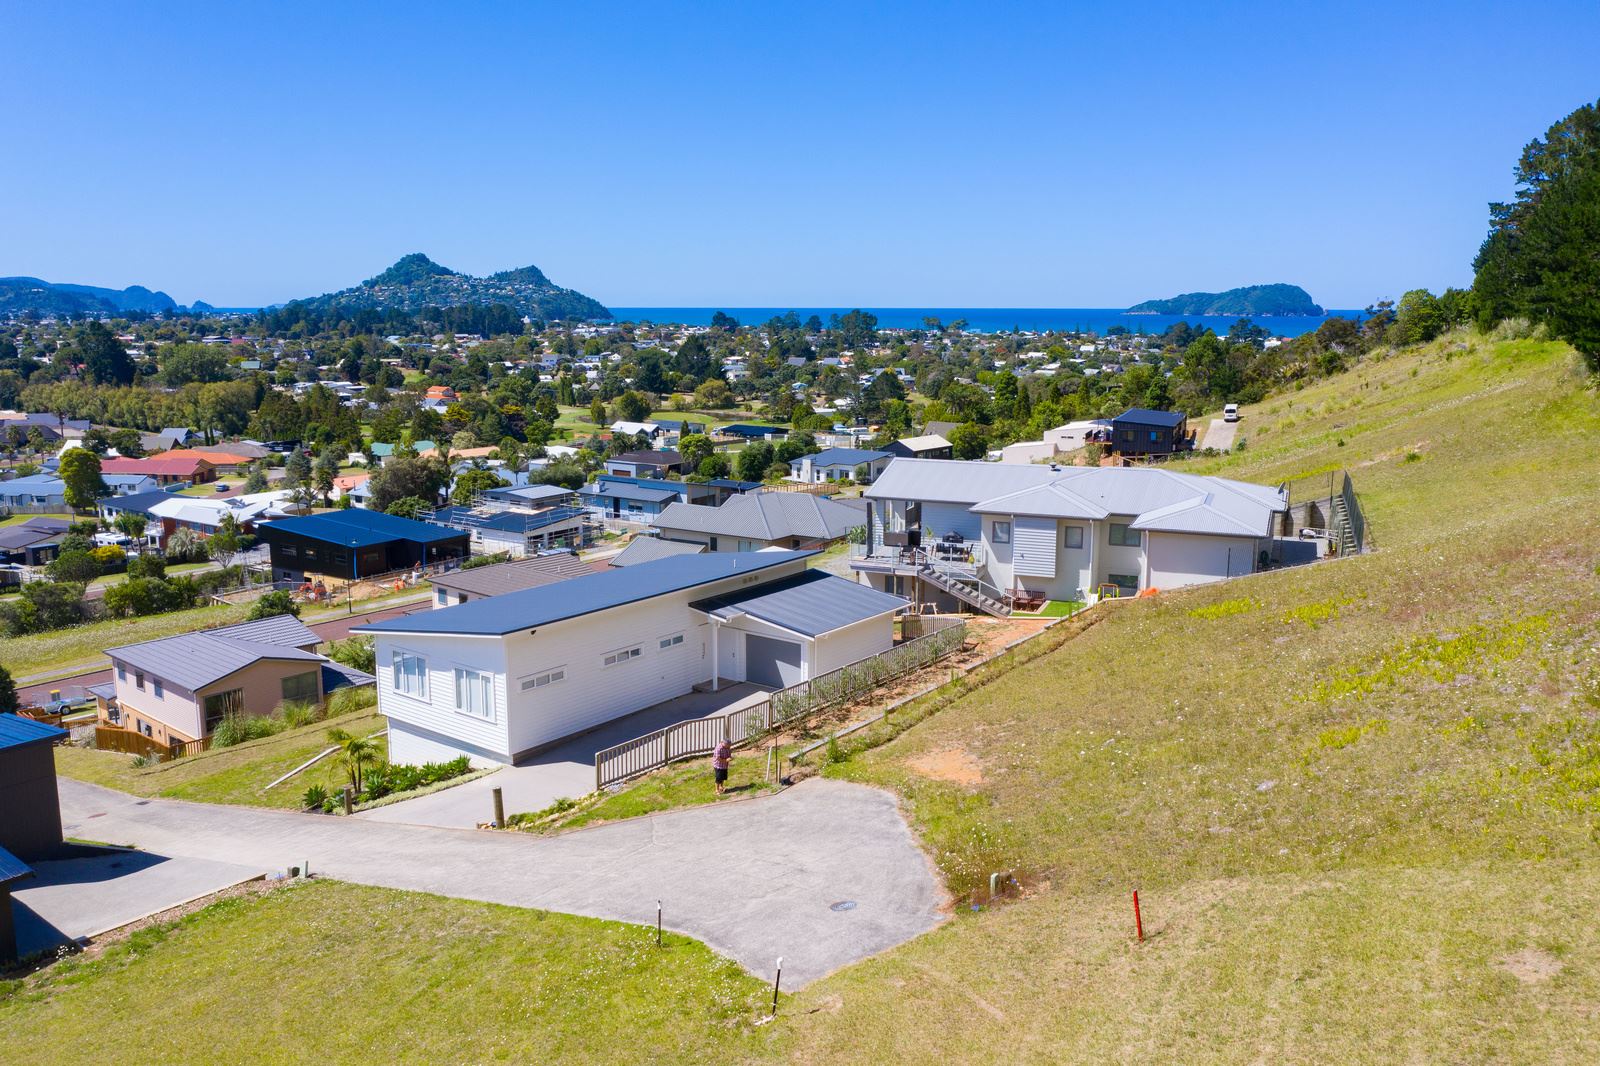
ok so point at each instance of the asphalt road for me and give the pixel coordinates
(755, 880)
(330, 629)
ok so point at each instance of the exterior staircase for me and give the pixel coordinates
(1343, 528)
(967, 594)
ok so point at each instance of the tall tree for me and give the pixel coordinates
(80, 471)
(105, 360)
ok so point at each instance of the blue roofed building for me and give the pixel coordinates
(504, 678)
(630, 499)
(30, 813)
(357, 543)
(839, 464)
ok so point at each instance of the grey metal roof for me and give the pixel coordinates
(12, 869)
(764, 516)
(531, 608)
(649, 549)
(648, 458)
(528, 493)
(1157, 499)
(194, 660)
(811, 604)
(15, 731)
(514, 576)
(844, 457)
(627, 491)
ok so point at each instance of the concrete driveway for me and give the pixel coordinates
(68, 899)
(1220, 434)
(566, 770)
(754, 879)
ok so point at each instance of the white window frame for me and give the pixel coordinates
(544, 678)
(472, 683)
(1000, 532)
(622, 655)
(1067, 537)
(420, 691)
(672, 640)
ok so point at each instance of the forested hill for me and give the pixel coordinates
(1253, 300)
(416, 282)
(48, 298)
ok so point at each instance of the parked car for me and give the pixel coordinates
(1230, 412)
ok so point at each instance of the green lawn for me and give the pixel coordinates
(335, 973)
(1053, 609)
(1350, 793)
(235, 775)
(19, 519)
(1360, 802)
(82, 646)
(687, 784)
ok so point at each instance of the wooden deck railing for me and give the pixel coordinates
(111, 738)
(698, 736)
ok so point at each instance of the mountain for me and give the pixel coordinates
(416, 281)
(1256, 301)
(50, 298)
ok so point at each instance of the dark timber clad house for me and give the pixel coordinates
(1139, 431)
(356, 543)
(30, 811)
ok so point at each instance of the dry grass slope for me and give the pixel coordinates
(1349, 789)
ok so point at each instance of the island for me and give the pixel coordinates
(1255, 301)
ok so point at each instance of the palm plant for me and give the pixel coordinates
(356, 754)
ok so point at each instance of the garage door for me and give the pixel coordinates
(772, 662)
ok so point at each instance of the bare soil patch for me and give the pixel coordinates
(951, 764)
(1531, 966)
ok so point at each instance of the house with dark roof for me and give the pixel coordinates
(759, 520)
(503, 678)
(631, 499)
(750, 431)
(30, 810)
(456, 587)
(650, 464)
(32, 543)
(927, 446)
(839, 464)
(353, 544)
(30, 814)
(176, 690)
(1140, 431)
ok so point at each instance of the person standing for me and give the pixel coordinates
(721, 759)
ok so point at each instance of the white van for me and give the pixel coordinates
(1230, 412)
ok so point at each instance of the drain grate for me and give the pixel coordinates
(843, 905)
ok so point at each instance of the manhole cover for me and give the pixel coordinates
(843, 905)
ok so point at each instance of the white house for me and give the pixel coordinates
(838, 464)
(36, 490)
(985, 533)
(501, 678)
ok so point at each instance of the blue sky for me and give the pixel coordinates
(753, 155)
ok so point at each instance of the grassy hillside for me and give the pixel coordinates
(1361, 800)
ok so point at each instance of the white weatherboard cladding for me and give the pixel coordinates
(844, 646)
(1034, 546)
(593, 693)
(445, 652)
(409, 747)
(942, 518)
(1179, 559)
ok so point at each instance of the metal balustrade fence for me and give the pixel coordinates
(698, 736)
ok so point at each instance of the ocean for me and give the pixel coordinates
(985, 319)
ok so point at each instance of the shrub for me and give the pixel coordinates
(485, 560)
(315, 799)
(295, 715)
(357, 652)
(149, 564)
(350, 699)
(238, 728)
(277, 602)
(389, 778)
(74, 566)
(110, 557)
